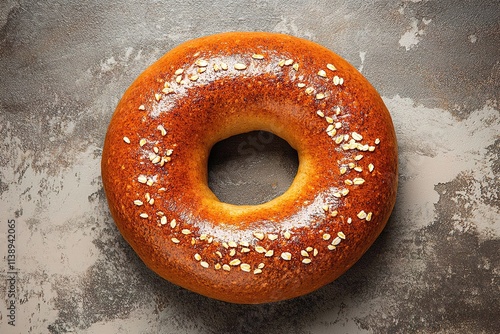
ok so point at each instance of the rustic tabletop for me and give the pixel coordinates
(64, 266)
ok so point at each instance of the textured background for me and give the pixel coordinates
(435, 268)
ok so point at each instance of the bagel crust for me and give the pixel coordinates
(154, 166)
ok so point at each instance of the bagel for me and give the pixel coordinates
(155, 153)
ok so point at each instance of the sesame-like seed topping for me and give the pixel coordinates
(339, 139)
(331, 67)
(326, 207)
(369, 216)
(309, 90)
(371, 148)
(286, 256)
(138, 202)
(336, 241)
(259, 235)
(239, 66)
(343, 170)
(336, 80)
(216, 68)
(281, 63)
(258, 56)
(162, 130)
(186, 231)
(329, 120)
(197, 257)
(295, 66)
(349, 220)
(341, 235)
(125, 139)
(232, 244)
(245, 250)
(157, 96)
(288, 62)
(358, 157)
(337, 194)
(201, 63)
(226, 267)
(232, 252)
(309, 249)
(167, 90)
(245, 267)
(143, 215)
(371, 167)
(334, 213)
(194, 77)
(260, 249)
(261, 265)
(331, 133)
(225, 245)
(344, 192)
(173, 223)
(257, 271)
(315, 252)
(322, 73)
(142, 178)
(219, 254)
(331, 247)
(301, 85)
(377, 141)
(178, 79)
(179, 71)
(235, 262)
(150, 182)
(318, 112)
(142, 107)
(204, 264)
(304, 253)
(287, 235)
(306, 261)
(163, 220)
(358, 180)
(330, 128)
(217, 266)
(244, 243)
(142, 142)
(326, 236)
(156, 160)
(272, 237)
(269, 253)
(358, 169)
(348, 182)
(320, 96)
(224, 66)
(357, 136)
(175, 240)
(169, 152)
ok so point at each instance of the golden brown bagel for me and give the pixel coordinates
(154, 166)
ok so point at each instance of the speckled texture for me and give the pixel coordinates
(154, 166)
(63, 68)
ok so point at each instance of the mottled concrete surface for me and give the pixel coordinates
(435, 268)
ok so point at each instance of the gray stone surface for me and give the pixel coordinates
(435, 268)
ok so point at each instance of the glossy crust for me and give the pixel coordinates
(157, 145)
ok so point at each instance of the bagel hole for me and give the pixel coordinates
(251, 168)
